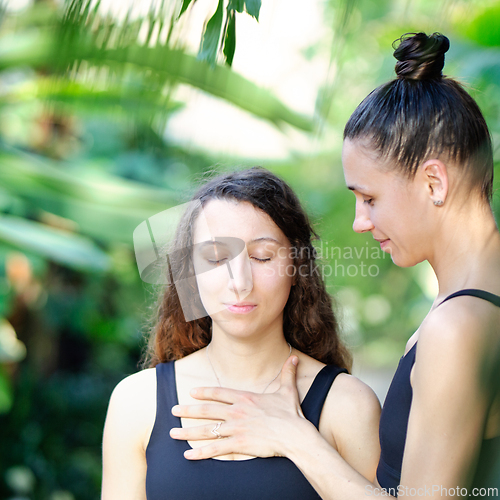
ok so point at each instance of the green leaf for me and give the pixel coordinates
(237, 5)
(26, 174)
(174, 65)
(253, 7)
(68, 249)
(211, 36)
(230, 38)
(137, 101)
(185, 5)
(104, 206)
(220, 81)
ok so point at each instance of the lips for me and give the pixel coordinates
(383, 242)
(241, 307)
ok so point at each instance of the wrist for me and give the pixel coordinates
(303, 435)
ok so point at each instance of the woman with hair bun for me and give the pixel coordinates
(418, 157)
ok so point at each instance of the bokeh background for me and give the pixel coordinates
(113, 111)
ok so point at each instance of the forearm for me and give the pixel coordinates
(330, 475)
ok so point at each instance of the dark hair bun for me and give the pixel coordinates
(421, 57)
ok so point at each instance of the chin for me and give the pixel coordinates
(403, 264)
(401, 261)
(225, 316)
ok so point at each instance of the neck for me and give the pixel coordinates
(466, 253)
(244, 363)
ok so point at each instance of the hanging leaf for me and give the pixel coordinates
(237, 5)
(185, 5)
(253, 7)
(230, 38)
(211, 36)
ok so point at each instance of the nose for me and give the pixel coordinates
(362, 222)
(240, 275)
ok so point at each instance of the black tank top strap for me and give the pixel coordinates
(482, 294)
(315, 397)
(166, 394)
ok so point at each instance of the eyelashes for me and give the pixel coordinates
(364, 197)
(216, 262)
(221, 261)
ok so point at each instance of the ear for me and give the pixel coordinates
(434, 174)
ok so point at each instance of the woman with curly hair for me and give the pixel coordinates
(418, 157)
(244, 295)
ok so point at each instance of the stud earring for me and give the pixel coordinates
(438, 203)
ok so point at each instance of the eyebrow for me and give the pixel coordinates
(212, 243)
(256, 240)
(356, 188)
(265, 238)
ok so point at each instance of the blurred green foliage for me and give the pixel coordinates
(219, 33)
(84, 99)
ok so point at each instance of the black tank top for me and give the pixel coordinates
(394, 423)
(171, 476)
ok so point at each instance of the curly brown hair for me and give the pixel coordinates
(309, 322)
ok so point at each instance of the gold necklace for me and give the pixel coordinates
(218, 380)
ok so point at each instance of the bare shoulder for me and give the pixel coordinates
(350, 421)
(465, 310)
(139, 386)
(464, 327)
(350, 398)
(130, 418)
(459, 348)
(132, 404)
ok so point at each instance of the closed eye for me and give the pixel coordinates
(369, 201)
(220, 261)
(215, 262)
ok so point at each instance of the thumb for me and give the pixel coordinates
(289, 373)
